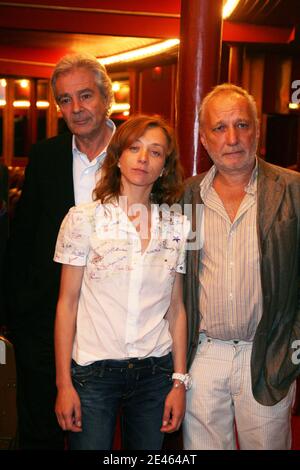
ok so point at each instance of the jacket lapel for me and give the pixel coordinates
(271, 190)
(196, 253)
(65, 169)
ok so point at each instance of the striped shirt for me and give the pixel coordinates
(230, 287)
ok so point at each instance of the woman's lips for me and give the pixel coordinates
(139, 170)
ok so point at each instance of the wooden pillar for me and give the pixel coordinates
(8, 123)
(31, 136)
(51, 114)
(134, 90)
(198, 72)
(235, 65)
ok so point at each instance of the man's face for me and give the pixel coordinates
(229, 133)
(81, 103)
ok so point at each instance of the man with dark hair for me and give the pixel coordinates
(62, 172)
(242, 287)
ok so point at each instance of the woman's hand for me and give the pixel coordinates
(174, 409)
(68, 409)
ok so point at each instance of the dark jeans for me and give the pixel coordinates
(136, 387)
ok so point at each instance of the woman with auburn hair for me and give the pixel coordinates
(120, 332)
(168, 188)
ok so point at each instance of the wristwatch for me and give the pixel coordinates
(186, 379)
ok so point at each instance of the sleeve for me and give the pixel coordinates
(73, 241)
(21, 242)
(181, 260)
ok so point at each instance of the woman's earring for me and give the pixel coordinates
(119, 164)
(162, 172)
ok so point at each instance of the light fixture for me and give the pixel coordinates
(120, 107)
(294, 105)
(228, 8)
(3, 82)
(116, 86)
(21, 104)
(24, 83)
(26, 104)
(148, 51)
(2, 102)
(141, 53)
(42, 104)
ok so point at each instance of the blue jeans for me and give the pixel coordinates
(136, 387)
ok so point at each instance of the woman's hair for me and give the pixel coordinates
(167, 188)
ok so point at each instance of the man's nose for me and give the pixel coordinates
(232, 136)
(76, 108)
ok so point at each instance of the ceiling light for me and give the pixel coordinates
(120, 107)
(116, 86)
(228, 8)
(141, 53)
(148, 51)
(42, 104)
(21, 104)
(24, 83)
(294, 106)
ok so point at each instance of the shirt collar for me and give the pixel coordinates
(207, 181)
(102, 154)
(251, 187)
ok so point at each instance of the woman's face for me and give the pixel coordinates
(143, 161)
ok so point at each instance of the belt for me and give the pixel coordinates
(234, 342)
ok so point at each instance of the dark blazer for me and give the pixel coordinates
(48, 193)
(278, 225)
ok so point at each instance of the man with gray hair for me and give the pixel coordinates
(62, 172)
(242, 287)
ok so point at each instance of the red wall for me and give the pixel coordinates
(157, 91)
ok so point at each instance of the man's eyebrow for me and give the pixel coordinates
(223, 123)
(79, 92)
(218, 123)
(84, 90)
(62, 95)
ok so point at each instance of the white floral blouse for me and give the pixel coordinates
(125, 292)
